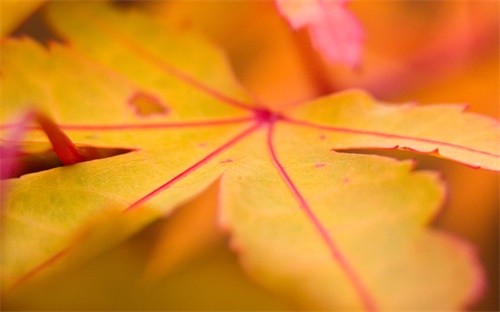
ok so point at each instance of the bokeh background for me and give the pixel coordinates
(425, 51)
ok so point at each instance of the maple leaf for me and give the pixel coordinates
(334, 31)
(336, 230)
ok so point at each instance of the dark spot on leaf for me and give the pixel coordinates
(146, 105)
(226, 161)
(322, 136)
(319, 165)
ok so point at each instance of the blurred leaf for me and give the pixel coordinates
(174, 245)
(309, 222)
(196, 275)
(334, 31)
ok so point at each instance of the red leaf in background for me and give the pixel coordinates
(334, 31)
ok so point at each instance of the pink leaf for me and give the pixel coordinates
(334, 31)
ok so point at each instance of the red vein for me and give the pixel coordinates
(187, 124)
(193, 168)
(384, 135)
(366, 298)
(202, 123)
(164, 66)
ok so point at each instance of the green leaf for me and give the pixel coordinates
(327, 228)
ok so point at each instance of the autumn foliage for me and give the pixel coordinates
(156, 157)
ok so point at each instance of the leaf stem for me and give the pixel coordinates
(65, 149)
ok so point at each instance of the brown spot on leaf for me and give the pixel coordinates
(226, 161)
(319, 165)
(146, 105)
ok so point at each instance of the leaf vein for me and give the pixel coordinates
(352, 275)
(385, 135)
(164, 66)
(194, 167)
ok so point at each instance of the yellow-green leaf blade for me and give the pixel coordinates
(44, 210)
(179, 67)
(174, 155)
(330, 228)
(353, 120)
